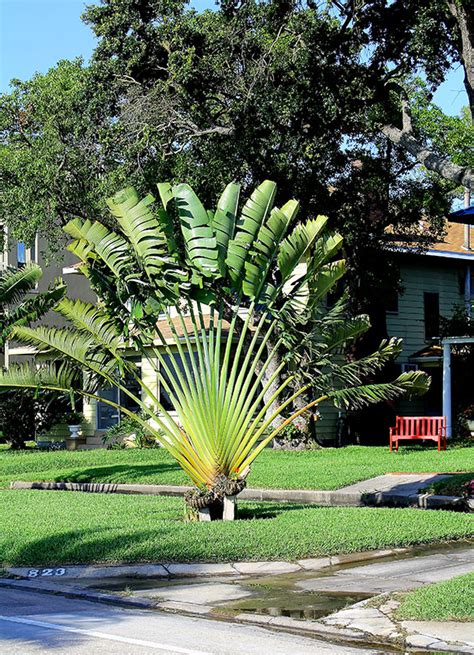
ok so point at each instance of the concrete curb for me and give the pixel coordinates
(375, 618)
(304, 496)
(349, 636)
(184, 570)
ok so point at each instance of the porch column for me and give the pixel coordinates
(447, 388)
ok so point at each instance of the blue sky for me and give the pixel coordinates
(36, 34)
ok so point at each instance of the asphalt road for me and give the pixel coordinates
(41, 623)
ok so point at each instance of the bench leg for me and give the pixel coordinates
(391, 444)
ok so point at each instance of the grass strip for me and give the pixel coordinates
(444, 601)
(51, 528)
(455, 486)
(327, 469)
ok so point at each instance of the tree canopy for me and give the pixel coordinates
(320, 97)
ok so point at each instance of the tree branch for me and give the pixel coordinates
(405, 138)
(465, 21)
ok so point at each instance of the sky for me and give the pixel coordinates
(36, 34)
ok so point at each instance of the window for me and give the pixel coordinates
(26, 254)
(108, 415)
(32, 251)
(392, 302)
(431, 310)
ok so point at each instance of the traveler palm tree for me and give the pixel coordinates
(225, 283)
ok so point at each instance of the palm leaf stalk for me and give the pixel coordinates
(215, 435)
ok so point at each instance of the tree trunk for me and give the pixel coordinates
(405, 138)
(305, 422)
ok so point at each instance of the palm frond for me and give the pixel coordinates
(92, 240)
(70, 345)
(325, 280)
(343, 332)
(253, 215)
(297, 244)
(142, 228)
(51, 376)
(411, 383)
(31, 309)
(264, 248)
(200, 242)
(354, 372)
(90, 320)
(16, 282)
(164, 218)
(224, 219)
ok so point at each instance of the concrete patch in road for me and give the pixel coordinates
(199, 594)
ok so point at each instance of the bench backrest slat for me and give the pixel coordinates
(420, 426)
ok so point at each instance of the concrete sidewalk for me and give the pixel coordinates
(379, 623)
(396, 575)
(392, 490)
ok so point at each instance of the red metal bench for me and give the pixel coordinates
(419, 427)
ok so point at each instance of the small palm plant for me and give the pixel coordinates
(222, 286)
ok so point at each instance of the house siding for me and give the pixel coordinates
(419, 275)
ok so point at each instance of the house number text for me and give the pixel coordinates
(45, 573)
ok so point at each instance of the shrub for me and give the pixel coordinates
(24, 414)
(129, 433)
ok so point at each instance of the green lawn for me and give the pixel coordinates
(451, 486)
(52, 528)
(444, 601)
(329, 468)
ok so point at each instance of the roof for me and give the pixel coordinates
(454, 240)
(451, 247)
(167, 332)
(433, 352)
(72, 269)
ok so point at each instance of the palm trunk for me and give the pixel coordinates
(304, 422)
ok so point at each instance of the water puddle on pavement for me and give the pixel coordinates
(274, 595)
(294, 604)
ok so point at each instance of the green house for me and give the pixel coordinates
(436, 283)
